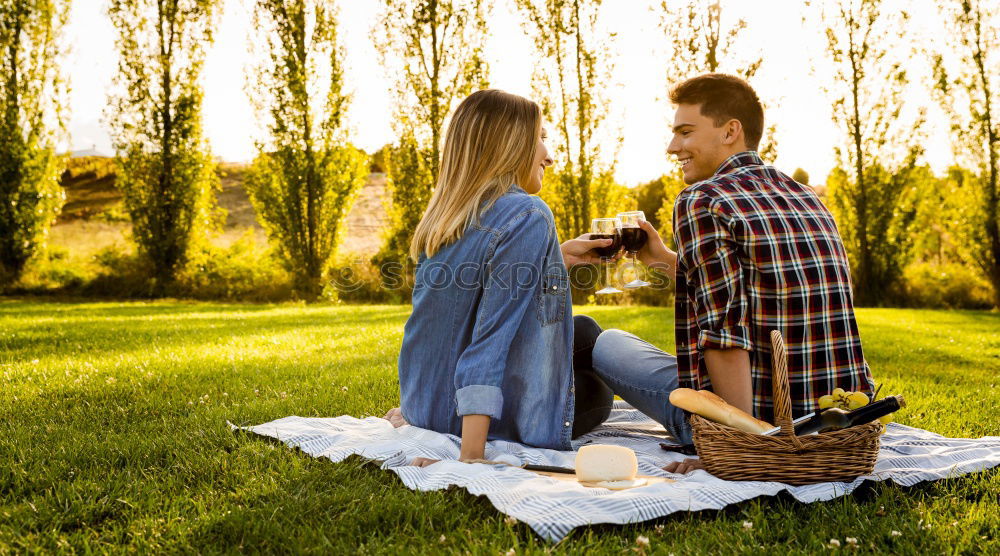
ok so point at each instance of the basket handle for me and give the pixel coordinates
(779, 384)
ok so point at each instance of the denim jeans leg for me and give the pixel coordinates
(644, 376)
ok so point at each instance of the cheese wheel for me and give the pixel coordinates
(601, 462)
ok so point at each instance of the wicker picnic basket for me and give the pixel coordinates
(731, 454)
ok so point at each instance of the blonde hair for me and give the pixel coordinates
(490, 145)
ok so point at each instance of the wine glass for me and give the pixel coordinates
(607, 228)
(633, 238)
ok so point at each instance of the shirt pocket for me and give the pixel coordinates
(551, 303)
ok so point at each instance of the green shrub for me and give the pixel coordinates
(950, 285)
(113, 214)
(121, 274)
(244, 271)
(356, 279)
(49, 270)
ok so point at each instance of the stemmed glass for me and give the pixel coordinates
(633, 238)
(607, 228)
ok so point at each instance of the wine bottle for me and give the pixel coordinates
(835, 418)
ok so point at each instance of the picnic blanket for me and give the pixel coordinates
(553, 508)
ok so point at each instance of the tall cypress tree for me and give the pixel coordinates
(32, 98)
(868, 191)
(970, 94)
(306, 176)
(439, 44)
(165, 170)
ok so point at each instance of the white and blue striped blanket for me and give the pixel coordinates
(553, 508)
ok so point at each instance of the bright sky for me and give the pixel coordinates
(806, 134)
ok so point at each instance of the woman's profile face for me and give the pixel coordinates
(538, 165)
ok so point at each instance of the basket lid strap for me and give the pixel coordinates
(779, 384)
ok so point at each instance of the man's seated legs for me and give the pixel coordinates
(643, 375)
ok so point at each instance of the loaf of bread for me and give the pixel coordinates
(714, 408)
(601, 462)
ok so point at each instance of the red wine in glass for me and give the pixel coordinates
(607, 228)
(633, 239)
(611, 250)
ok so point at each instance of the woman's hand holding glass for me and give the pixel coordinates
(581, 250)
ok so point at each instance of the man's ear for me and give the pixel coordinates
(732, 132)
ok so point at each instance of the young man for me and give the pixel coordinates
(756, 252)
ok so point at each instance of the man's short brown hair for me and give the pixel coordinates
(724, 97)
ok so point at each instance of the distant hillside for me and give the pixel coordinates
(91, 196)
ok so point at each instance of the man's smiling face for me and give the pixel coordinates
(698, 144)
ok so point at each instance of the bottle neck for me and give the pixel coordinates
(875, 410)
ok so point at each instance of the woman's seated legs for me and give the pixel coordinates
(593, 398)
(643, 375)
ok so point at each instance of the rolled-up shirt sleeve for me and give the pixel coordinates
(513, 276)
(708, 256)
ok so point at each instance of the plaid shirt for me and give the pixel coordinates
(758, 251)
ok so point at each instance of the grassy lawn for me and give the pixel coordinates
(113, 437)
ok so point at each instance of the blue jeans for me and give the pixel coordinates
(644, 376)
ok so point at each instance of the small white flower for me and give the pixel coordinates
(510, 520)
(748, 525)
(895, 533)
(658, 528)
(511, 552)
(642, 541)
(343, 388)
(442, 539)
(834, 542)
(851, 540)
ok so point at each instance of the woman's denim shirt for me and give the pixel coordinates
(491, 331)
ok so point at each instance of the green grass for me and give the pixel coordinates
(113, 438)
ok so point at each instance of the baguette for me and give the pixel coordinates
(714, 408)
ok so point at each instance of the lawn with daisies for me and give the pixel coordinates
(113, 438)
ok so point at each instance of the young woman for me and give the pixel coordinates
(491, 349)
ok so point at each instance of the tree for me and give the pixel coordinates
(439, 44)
(570, 78)
(305, 176)
(942, 226)
(801, 176)
(32, 94)
(870, 191)
(165, 170)
(673, 184)
(649, 198)
(971, 97)
(698, 43)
